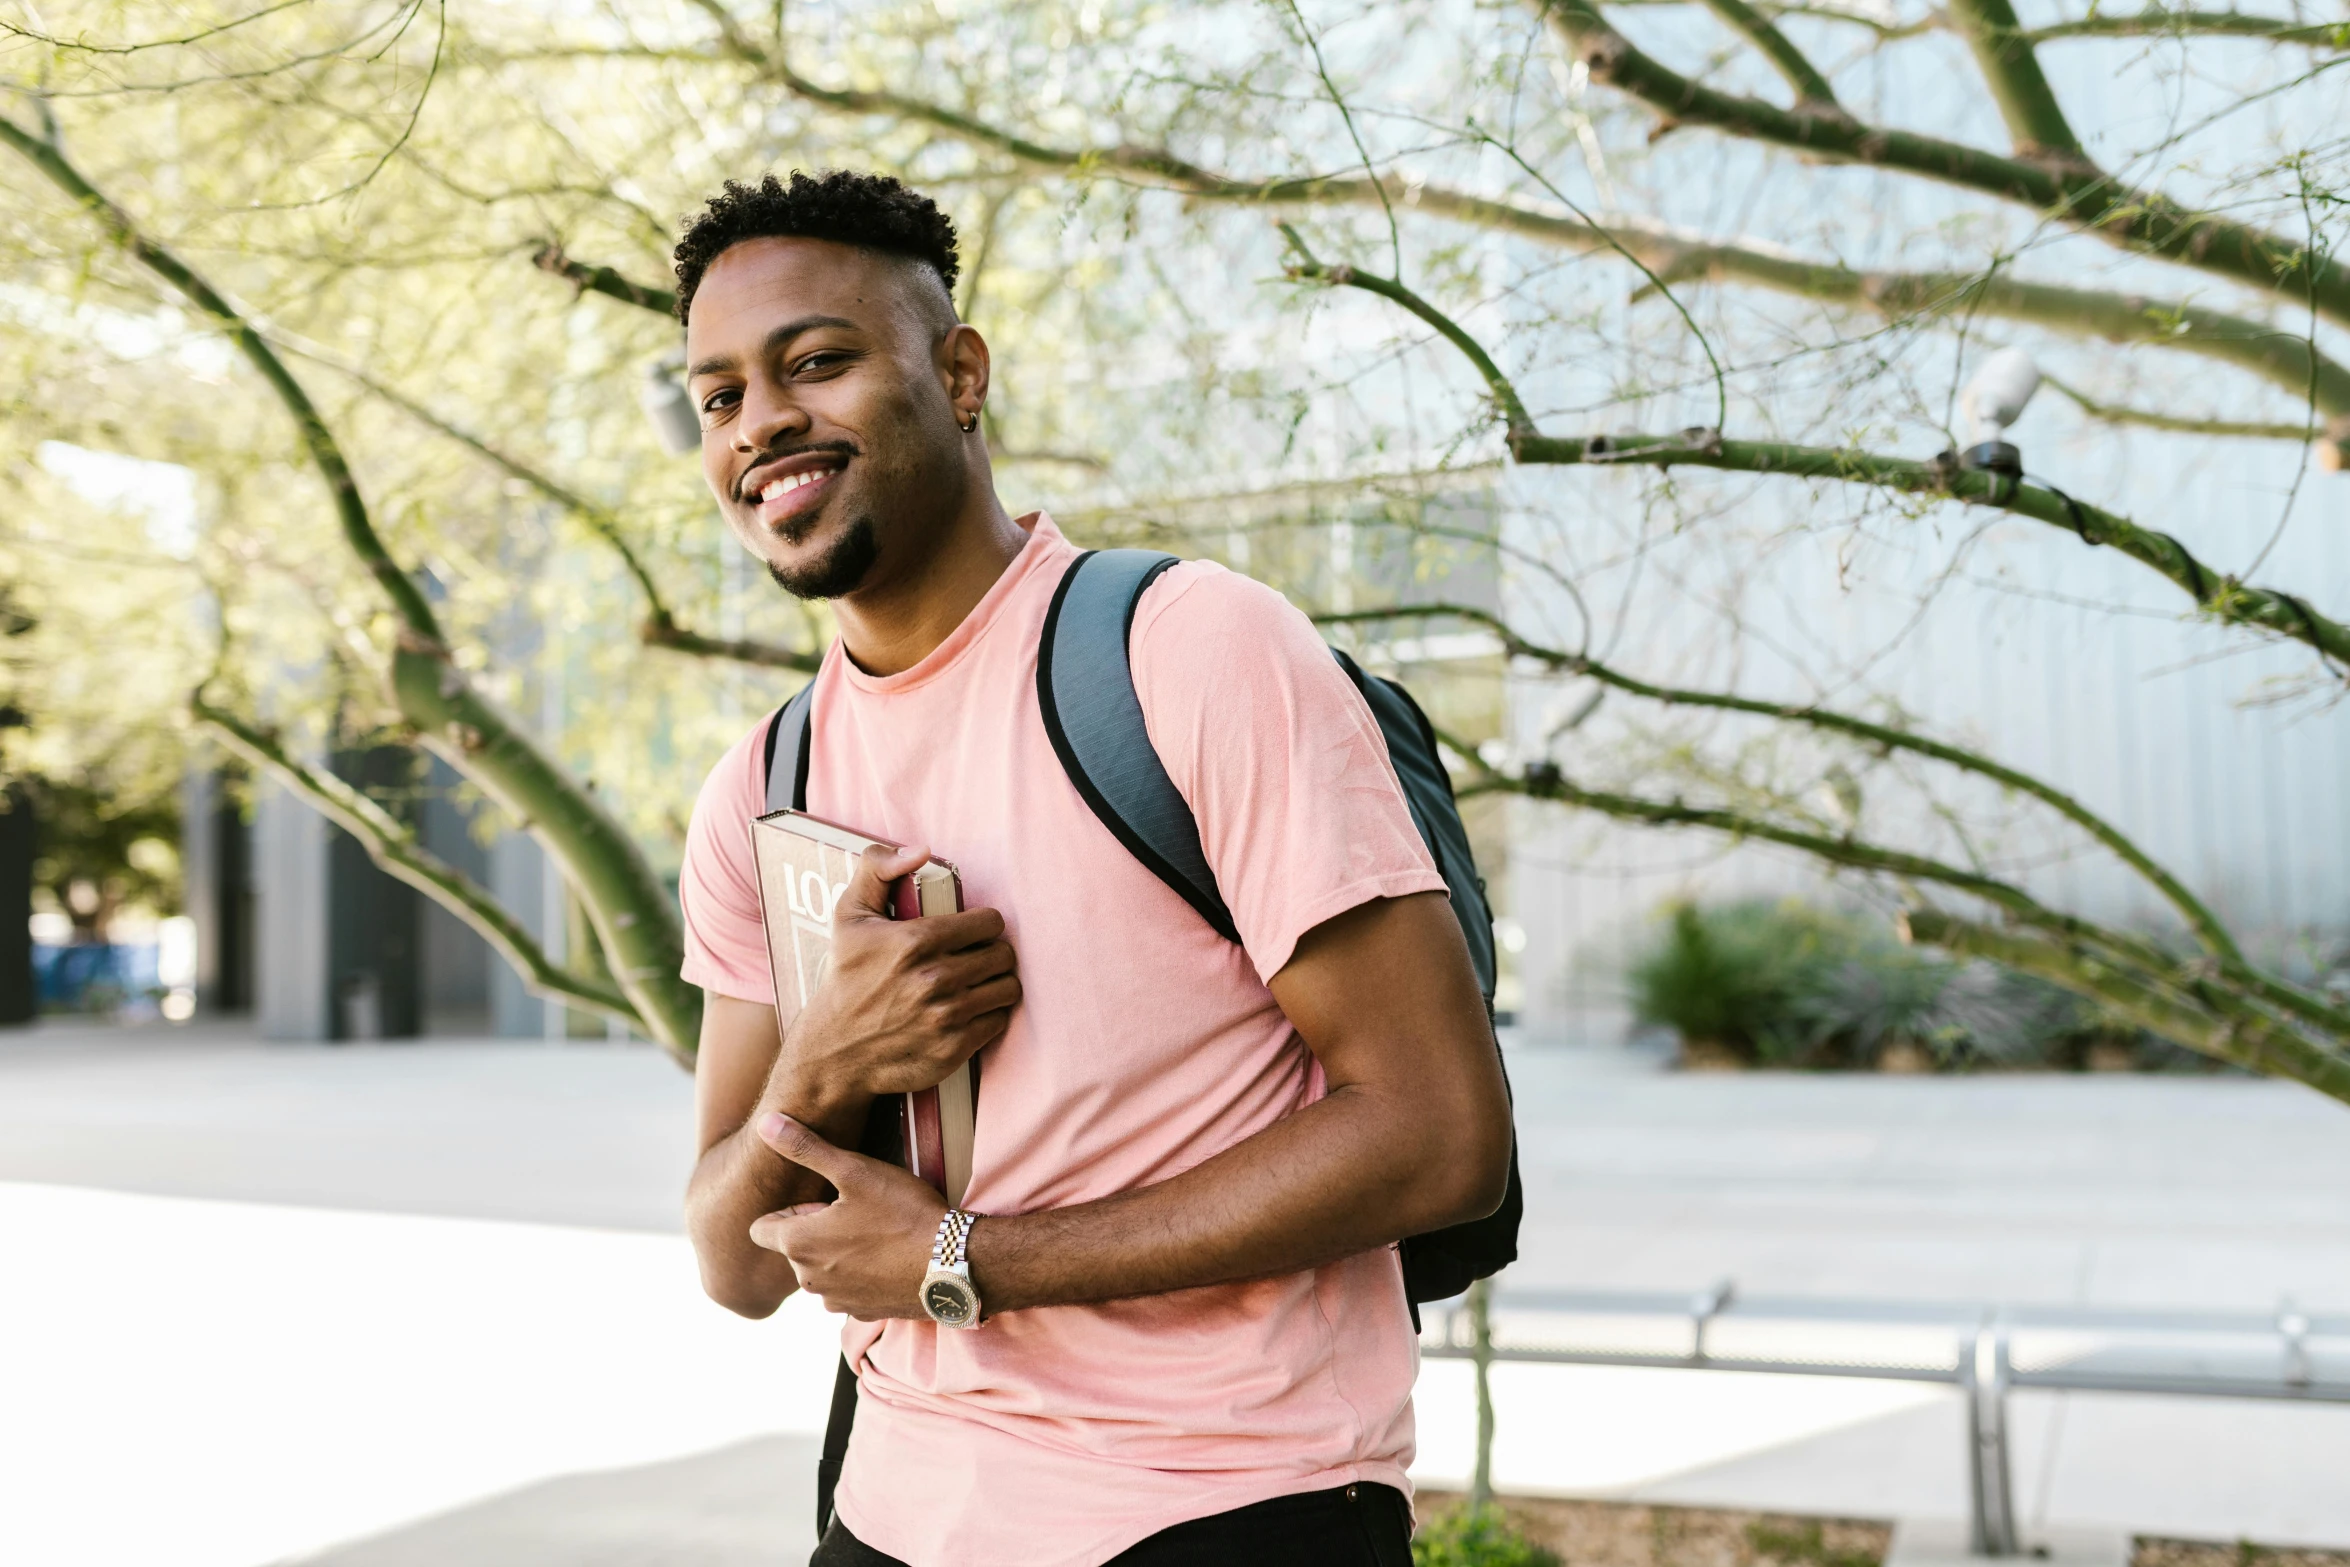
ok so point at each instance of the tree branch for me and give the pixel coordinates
(2125, 972)
(1804, 78)
(1505, 396)
(659, 627)
(2227, 1032)
(2067, 189)
(634, 915)
(604, 280)
(2035, 120)
(2286, 360)
(2157, 22)
(407, 599)
(2118, 413)
(393, 845)
(2281, 358)
(1543, 780)
(2222, 597)
(665, 633)
(2208, 929)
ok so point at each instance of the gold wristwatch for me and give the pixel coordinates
(947, 1295)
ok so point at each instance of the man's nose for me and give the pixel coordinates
(769, 415)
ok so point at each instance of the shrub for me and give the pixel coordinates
(1730, 976)
(1787, 984)
(1466, 1536)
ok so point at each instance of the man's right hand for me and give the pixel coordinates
(903, 1002)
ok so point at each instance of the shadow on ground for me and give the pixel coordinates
(749, 1505)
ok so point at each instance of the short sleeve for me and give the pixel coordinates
(718, 887)
(1278, 756)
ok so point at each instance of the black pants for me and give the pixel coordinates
(1347, 1526)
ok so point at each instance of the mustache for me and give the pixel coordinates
(775, 454)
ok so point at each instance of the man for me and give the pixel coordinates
(1193, 1157)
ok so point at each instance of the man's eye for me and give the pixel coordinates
(819, 362)
(722, 398)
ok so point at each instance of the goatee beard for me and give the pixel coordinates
(836, 572)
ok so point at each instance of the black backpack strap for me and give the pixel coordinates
(836, 1442)
(1085, 688)
(786, 762)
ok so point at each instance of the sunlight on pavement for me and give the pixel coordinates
(1597, 1430)
(214, 1384)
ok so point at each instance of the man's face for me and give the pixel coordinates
(827, 432)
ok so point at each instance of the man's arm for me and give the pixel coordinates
(903, 1004)
(738, 1177)
(1412, 1136)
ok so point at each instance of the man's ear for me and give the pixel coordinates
(963, 370)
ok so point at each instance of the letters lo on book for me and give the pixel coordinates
(804, 865)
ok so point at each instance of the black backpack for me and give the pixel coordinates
(1085, 688)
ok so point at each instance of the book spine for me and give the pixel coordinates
(926, 1139)
(919, 1124)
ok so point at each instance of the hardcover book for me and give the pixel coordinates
(804, 864)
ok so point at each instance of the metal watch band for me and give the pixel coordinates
(954, 1232)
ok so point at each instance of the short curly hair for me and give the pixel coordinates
(871, 211)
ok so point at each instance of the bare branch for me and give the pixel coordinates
(2207, 926)
(604, 280)
(2218, 595)
(659, 627)
(1505, 396)
(2221, 596)
(81, 46)
(2206, 1022)
(1798, 72)
(2118, 413)
(1543, 780)
(393, 845)
(2160, 22)
(665, 633)
(2063, 187)
(2124, 971)
(2035, 120)
(2281, 358)
(2286, 360)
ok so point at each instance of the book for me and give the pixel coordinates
(804, 864)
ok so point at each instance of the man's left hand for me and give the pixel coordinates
(865, 1252)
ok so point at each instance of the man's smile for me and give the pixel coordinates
(785, 489)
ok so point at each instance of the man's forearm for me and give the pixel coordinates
(738, 1178)
(1347, 1174)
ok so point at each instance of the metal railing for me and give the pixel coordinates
(1984, 1351)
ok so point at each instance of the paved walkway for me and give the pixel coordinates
(386, 1305)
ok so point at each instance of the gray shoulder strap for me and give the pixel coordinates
(1085, 687)
(787, 753)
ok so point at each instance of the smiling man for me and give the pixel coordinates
(1194, 1154)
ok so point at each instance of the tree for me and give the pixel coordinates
(1771, 238)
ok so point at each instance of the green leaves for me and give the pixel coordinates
(1476, 1537)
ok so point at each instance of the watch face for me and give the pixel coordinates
(949, 1300)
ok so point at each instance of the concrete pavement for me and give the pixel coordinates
(374, 1305)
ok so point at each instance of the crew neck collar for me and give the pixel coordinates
(1045, 543)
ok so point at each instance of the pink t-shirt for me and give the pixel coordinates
(1144, 1045)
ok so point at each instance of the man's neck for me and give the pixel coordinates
(894, 625)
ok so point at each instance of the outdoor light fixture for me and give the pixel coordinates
(1992, 401)
(663, 398)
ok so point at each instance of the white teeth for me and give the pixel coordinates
(792, 481)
